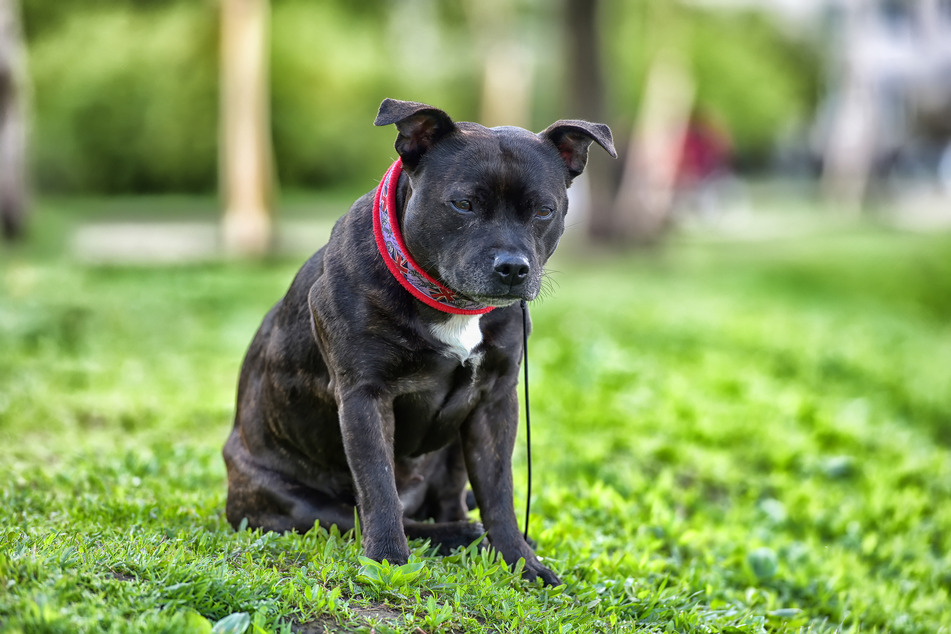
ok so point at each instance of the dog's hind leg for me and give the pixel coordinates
(442, 499)
(272, 502)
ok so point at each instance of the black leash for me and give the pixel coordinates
(528, 425)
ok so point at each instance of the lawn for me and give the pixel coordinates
(728, 437)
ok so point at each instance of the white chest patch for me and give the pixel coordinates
(460, 333)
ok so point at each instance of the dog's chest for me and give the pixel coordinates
(461, 334)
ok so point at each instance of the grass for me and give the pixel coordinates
(728, 437)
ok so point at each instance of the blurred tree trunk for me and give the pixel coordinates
(635, 207)
(585, 100)
(13, 196)
(507, 65)
(851, 140)
(645, 199)
(245, 163)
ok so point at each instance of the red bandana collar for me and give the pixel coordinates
(389, 240)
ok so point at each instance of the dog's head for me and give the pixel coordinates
(486, 206)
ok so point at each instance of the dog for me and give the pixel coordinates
(385, 379)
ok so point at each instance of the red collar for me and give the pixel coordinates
(389, 240)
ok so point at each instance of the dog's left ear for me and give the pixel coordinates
(572, 137)
(420, 127)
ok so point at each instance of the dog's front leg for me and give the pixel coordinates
(366, 422)
(488, 442)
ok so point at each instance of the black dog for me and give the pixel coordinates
(386, 378)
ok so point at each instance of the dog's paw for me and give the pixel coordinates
(393, 552)
(466, 532)
(535, 570)
(460, 535)
(446, 536)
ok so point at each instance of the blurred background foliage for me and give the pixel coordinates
(118, 78)
(756, 79)
(121, 79)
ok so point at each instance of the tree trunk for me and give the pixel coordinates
(245, 161)
(13, 194)
(637, 209)
(507, 70)
(645, 199)
(854, 134)
(585, 100)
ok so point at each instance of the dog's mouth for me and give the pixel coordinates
(503, 298)
(496, 301)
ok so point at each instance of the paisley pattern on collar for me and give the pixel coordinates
(389, 241)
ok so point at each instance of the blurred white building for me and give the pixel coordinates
(887, 105)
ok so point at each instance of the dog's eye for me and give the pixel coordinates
(544, 213)
(463, 206)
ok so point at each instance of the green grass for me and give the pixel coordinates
(729, 437)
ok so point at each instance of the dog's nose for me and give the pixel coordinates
(512, 269)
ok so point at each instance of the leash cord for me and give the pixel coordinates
(528, 426)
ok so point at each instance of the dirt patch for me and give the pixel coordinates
(378, 613)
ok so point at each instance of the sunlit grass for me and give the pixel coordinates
(728, 437)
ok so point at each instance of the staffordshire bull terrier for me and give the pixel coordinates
(385, 379)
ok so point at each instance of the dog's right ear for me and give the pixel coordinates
(420, 127)
(572, 137)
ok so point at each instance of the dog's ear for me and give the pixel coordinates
(420, 127)
(571, 137)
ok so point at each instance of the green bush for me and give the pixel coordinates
(126, 100)
(126, 91)
(126, 95)
(331, 67)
